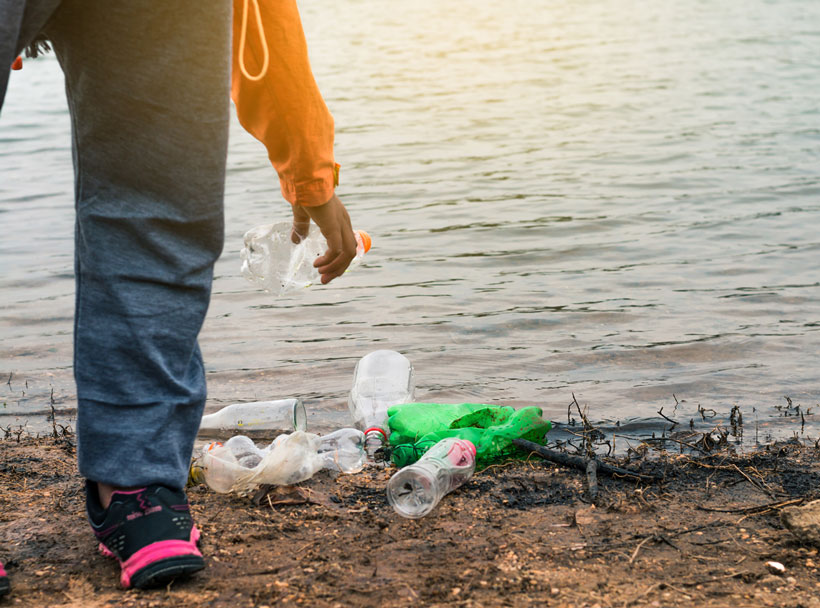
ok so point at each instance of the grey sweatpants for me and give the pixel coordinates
(148, 90)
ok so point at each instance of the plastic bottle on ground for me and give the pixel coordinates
(270, 259)
(343, 450)
(416, 489)
(217, 467)
(382, 378)
(240, 466)
(281, 415)
(415, 427)
(288, 460)
(244, 450)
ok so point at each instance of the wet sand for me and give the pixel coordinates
(524, 533)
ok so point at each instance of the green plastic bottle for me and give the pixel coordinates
(416, 427)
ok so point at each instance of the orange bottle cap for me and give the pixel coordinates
(366, 241)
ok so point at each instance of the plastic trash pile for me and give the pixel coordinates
(436, 445)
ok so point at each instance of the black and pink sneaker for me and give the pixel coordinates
(149, 531)
(5, 587)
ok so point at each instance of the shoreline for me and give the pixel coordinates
(745, 427)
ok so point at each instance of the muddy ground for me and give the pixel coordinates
(520, 534)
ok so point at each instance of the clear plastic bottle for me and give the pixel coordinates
(343, 450)
(220, 465)
(289, 459)
(381, 379)
(281, 415)
(239, 465)
(244, 450)
(416, 489)
(217, 467)
(270, 259)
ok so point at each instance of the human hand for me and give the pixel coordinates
(334, 222)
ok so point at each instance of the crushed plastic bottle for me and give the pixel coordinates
(415, 427)
(217, 467)
(281, 415)
(343, 450)
(240, 466)
(244, 450)
(416, 489)
(382, 378)
(270, 259)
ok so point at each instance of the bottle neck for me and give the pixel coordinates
(374, 439)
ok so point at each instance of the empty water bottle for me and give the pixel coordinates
(382, 378)
(272, 261)
(416, 489)
(217, 467)
(281, 415)
(289, 459)
(220, 465)
(239, 465)
(244, 450)
(343, 450)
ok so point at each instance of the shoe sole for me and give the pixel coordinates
(163, 572)
(160, 562)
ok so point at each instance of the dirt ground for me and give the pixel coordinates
(520, 534)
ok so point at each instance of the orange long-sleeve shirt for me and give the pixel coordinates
(284, 109)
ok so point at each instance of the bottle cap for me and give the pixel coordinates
(366, 240)
(470, 446)
(376, 430)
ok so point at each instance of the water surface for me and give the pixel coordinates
(611, 199)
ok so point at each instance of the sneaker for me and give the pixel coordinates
(149, 531)
(5, 587)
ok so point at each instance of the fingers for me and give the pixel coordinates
(341, 249)
(334, 222)
(335, 261)
(301, 224)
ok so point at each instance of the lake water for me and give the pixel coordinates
(613, 199)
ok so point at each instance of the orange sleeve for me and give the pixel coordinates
(284, 110)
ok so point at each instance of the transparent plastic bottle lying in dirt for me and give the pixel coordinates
(280, 415)
(381, 379)
(416, 489)
(240, 466)
(343, 450)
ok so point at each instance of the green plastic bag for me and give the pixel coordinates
(416, 427)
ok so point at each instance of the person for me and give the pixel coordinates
(148, 87)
